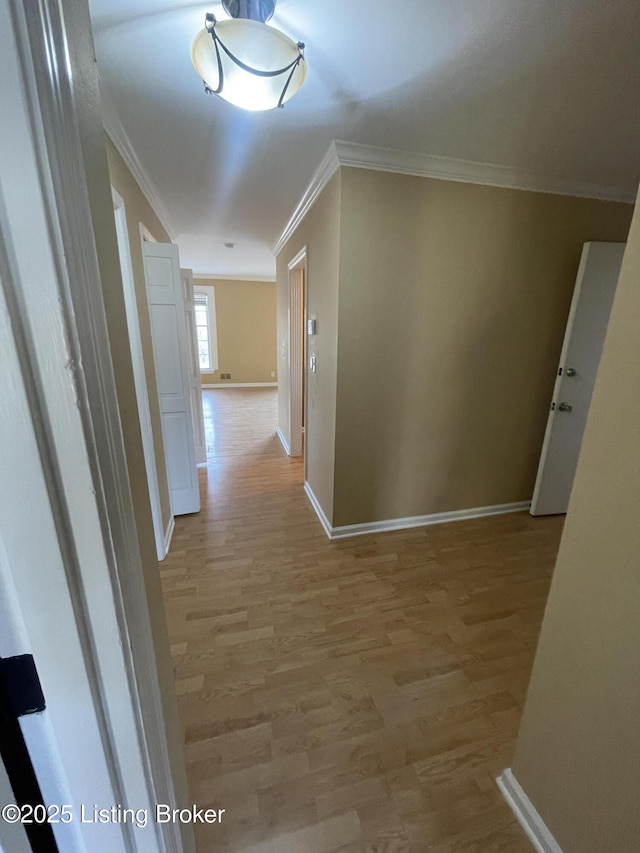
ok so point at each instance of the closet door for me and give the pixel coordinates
(171, 355)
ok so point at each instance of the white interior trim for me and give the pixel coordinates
(359, 156)
(268, 279)
(315, 503)
(470, 171)
(323, 174)
(195, 376)
(527, 814)
(210, 292)
(283, 441)
(168, 535)
(139, 375)
(122, 143)
(243, 385)
(108, 706)
(300, 260)
(296, 332)
(386, 525)
(145, 235)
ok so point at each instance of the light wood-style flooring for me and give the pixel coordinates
(351, 696)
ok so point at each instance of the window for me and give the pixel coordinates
(206, 331)
(202, 330)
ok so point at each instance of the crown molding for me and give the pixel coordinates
(117, 134)
(469, 171)
(248, 278)
(358, 156)
(323, 174)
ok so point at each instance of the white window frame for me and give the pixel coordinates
(209, 291)
(201, 301)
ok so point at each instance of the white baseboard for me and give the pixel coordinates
(168, 535)
(243, 385)
(418, 520)
(527, 814)
(315, 503)
(283, 441)
(386, 525)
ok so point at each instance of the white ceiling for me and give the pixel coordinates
(549, 87)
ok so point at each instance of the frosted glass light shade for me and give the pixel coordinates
(258, 46)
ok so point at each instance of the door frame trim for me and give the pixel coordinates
(139, 373)
(117, 641)
(297, 312)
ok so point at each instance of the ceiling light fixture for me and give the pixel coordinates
(247, 62)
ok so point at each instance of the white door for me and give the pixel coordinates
(588, 319)
(195, 381)
(171, 355)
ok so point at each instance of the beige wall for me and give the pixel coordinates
(578, 753)
(138, 210)
(246, 324)
(452, 308)
(320, 232)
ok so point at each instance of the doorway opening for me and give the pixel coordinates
(297, 353)
(139, 376)
(584, 338)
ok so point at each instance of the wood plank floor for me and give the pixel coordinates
(345, 696)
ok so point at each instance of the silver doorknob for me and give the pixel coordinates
(565, 407)
(570, 371)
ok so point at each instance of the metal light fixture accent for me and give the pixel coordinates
(247, 62)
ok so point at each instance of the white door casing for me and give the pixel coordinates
(70, 563)
(139, 375)
(171, 356)
(195, 380)
(584, 338)
(297, 287)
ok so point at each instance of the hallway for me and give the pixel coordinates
(358, 695)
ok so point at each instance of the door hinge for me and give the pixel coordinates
(21, 686)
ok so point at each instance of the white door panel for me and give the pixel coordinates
(164, 323)
(159, 272)
(171, 355)
(198, 425)
(586, 329)
(177, 428)
(195, 380)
